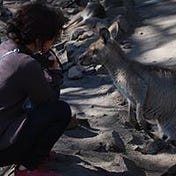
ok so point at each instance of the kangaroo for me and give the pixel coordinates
(93, 9)
(150, 89)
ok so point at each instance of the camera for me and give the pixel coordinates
(43, 60)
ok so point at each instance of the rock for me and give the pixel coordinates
(119, 165)
(86, 35)
(88, 70)
(115, 143)
(93, 21)
(81, 3)
(136, 140)
(153, 147)
(110, 141)
(95, 9)
(72, 11)
(75, 72)
(129, 168)
(170, 172)
(5, 12)
(59, 46)
(67, 65)
(112, 3)
(76, 33)
(71, 47)
(100, 69)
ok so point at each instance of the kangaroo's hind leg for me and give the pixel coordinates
(141, 97)
(132, 115)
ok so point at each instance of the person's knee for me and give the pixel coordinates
(64, 110)
(53, 112)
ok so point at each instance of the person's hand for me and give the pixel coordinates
(47, 76)
(56, 65)
(73, 123)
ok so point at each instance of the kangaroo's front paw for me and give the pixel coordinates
(146, 126)
(139, 126)
(134, 124)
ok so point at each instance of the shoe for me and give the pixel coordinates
(52, 155)
(37, 172)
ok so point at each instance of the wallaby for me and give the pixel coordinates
(93, 9)
(150, 89)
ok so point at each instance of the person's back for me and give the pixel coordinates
(12, 96)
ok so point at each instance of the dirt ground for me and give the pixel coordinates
(94, 97)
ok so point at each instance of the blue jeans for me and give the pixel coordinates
(43, 127)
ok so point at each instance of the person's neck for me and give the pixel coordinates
(26, 49)
(31, 47)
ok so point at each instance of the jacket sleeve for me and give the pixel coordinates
(35, 85)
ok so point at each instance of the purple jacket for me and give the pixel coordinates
(20, 77)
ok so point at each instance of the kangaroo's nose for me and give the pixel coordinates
(165, 137)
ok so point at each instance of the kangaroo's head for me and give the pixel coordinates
(98, 51)
(98, 48)
(104, 50)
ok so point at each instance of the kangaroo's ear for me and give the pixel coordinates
(114, 30)
(104, 34)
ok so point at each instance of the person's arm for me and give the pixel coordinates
(55, 70)
(51, 67)
(35, 85)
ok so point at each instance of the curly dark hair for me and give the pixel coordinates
(35, 21)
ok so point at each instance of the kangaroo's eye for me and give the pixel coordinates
(95, 51)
